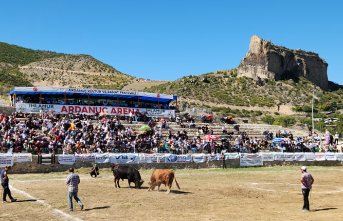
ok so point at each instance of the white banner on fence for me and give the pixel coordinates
(279, 156)
(6, 160)
(229, 156)
(172, 158)
(339, 156)
(330, 156)
(102, 158)
(267, 156)
(199, 158)
(152, 158)
(85, 157)
(213, 157)
(320, 156)
(310, 156)
(22, 157)
(299, 157)
(248, 160)
(288, 156)
(66, 159)
(125, 158)
(85, 109)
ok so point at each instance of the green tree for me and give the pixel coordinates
(268, 119)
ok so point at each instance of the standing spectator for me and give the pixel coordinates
(73, 181)
(306, 186)
(94, 171)
(336, 138)
(5, 186)
(222, 156)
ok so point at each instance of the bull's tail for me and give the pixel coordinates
(177, 184)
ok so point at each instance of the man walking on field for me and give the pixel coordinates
(73, 181)
(306, 186)
(5, 185)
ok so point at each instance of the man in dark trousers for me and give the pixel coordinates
(306, 186)
(5, 185)
(94, 171)
(222, 156)
(72, 182)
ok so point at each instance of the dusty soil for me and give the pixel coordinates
(208, 194)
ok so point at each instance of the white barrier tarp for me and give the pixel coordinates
(310, 156)
(152, 158)
(125, 158)
(229, 156)
(330, 156)
(172, 158)
(102, 158)
(339, 156)
(320, 156)
(288, 156)
(6, 160)
(22, 157)
(66, 159)
(248, 160)
(267, 156)
(279, 156)
(85, 157)
(299, 157)
(199, 158)
(213, 157)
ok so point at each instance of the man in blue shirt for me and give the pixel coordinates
(5, 186)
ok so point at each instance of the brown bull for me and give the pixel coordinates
(162, 176)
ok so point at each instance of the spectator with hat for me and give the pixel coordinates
(306, 186)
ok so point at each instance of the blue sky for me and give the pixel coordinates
(166, 39)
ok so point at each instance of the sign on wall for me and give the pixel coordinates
(89, 110)
(6, 160)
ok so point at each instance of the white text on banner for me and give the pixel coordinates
(248, 160)
(6, 160)
(22, 157)
(125, 158)
(199, 158)
(267, 156)
(66, 159)
(102, 158)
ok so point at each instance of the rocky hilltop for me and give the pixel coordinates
(266, 60)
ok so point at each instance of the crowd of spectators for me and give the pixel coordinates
(66, 134)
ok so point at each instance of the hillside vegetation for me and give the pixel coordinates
(224, 87)
(75, 71)
(26, 67)
(258, 100)
(15, 55)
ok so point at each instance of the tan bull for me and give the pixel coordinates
(162, 176)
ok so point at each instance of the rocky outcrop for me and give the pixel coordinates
(265, 60)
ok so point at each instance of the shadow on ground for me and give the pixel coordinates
(176, 192)
(98, 207)
(29, 200)
(132, 187)
(323, 209)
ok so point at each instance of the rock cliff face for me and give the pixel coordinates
(265, 60)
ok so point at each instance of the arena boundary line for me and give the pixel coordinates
(59, 179)
(255, 186)
(56, 211)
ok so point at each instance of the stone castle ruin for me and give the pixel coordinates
(265, 60)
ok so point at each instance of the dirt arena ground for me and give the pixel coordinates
(206, 194)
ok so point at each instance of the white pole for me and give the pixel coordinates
(312, 111)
